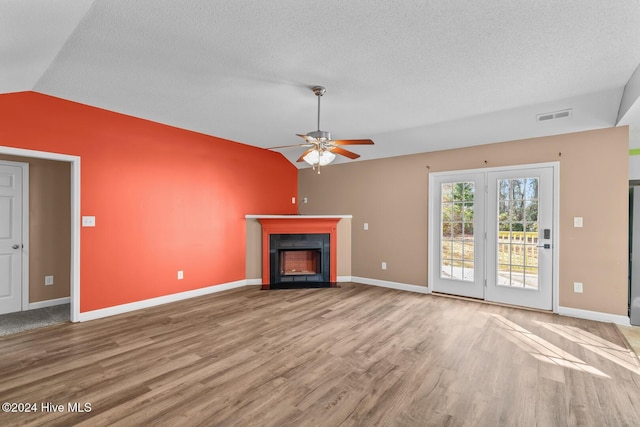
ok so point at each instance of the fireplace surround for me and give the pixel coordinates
(299, 225)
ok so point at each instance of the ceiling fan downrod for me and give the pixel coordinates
(319, 135)
(319, 91)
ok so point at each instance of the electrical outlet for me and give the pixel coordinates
(366, 225)
(180, 274)
(88, 221)
(577, 287)
(293, 200)
(48, 280)
(384, 265)
(305, 200)
(577, 222)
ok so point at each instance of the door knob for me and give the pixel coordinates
(15, 246)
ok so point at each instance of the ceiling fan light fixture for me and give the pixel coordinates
(319, 158)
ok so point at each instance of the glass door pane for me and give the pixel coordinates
(457, 245)
(517, 248)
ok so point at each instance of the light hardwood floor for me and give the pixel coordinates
(351, 356)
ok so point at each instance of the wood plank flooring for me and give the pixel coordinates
(350, 356)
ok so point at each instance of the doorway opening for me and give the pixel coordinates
(74, 186)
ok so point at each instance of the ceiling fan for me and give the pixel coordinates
(321, 148)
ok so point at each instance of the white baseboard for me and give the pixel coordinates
(125, 308)
(252, 282)
(392, 285)
(49, 303)
(344, 279)
(594, 315)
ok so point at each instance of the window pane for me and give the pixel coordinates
(517, 224)
(446, 230)
(457, 241)
(467, 231)
(468, 252)
(456, 250)
(517, 189)
(532, 189)
(445, 269)
(447, 211)
(467, 272)
(445, 189)
(457, 211)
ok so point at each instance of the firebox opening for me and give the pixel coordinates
(299, 262)
(299, 259)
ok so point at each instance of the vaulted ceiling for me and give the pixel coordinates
(413, 75)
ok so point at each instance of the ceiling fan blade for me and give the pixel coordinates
(343, 152)
(352, 142)
(301, 158)
(288, 146)
(306, 145)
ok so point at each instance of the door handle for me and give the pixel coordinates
(15, 246)
(545, 246)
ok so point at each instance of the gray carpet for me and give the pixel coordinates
(13, 323)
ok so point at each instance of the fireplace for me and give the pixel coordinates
(299, 258)
(299, 251)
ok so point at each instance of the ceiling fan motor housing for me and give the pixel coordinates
(320, 135)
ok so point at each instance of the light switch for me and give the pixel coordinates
(88, 221)
(577, 221)
(366, 225)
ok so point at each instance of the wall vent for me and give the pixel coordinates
(545, 117)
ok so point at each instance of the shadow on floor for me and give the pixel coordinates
(13, 323)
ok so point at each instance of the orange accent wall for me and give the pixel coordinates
(165, 199)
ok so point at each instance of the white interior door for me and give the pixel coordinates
(10, 238)
(458, 221)
(519, 237)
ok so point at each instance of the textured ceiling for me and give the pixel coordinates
(413, 75)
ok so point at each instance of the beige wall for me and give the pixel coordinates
(391, 195)
(254, 248)
(49, 227)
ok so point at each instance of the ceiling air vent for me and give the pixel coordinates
(552, 116)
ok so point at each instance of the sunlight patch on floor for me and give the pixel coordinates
(542, 349)
(613, 352)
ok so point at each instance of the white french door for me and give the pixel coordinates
(459, 254)
(519, 239)
(492, 234)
